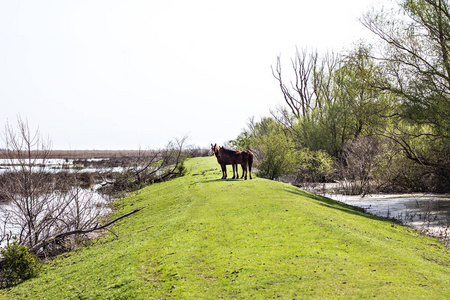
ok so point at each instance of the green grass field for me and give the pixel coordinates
(200, 237)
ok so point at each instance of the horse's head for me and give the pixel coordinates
(215, 150)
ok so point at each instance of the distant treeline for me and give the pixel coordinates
(86, 154)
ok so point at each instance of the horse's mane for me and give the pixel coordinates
(228, 151)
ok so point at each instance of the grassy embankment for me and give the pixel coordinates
(204, 238)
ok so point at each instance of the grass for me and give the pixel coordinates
(200, 237)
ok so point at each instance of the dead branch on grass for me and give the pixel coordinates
(60, 236)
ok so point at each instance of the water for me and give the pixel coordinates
(91, 205)
(55, 165)
(90, 200)
(427, 212)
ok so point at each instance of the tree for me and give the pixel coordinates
(273, 148)
(312, 83)
(151, 166)
(416, 69)
(307, 97)
(276, 155)
(41, 204)
(340, 102)
(16, 264)
(313, 166)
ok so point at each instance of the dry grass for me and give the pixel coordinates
(77, 154)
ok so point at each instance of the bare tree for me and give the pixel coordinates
(357, 165)
(28, 188)
(150, 166)
(312, 84)
(299, 94)
(41, 203)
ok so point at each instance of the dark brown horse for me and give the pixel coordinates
(223, 162)
(234, 158)
(243, 158)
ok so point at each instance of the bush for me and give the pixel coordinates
(313, 166)
(276, 155)
(17, 264)
(181, 169)
(360, 157)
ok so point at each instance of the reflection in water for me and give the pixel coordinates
(89, 203)
(55, 165)
(427, 212)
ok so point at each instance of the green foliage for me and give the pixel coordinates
(416, 70)
(181, 168)
(277, 156)
(274, 149)
(243, 141)
(313, 166)
(337, 101)
(277, 152)
(17, 264)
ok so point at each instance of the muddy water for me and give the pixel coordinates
(428, 212)
(90, 199)
(92, 203)
(55, 165)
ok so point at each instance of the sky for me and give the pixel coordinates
(109, 74)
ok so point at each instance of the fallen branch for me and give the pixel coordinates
(59, 236)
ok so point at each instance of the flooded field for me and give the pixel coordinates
(92, 204)
(84, 203)
(54, 165)
(45, 194)
(427, 212)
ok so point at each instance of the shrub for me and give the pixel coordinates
(181, 169)
(313, 166)
(276, 155)
(17, 264)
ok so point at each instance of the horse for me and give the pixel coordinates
(223, 162)
(244, 158)
(231, 157)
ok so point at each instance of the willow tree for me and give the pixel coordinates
(416, 69)
(331, 98)
(309, 91)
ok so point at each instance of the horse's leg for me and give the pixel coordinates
(234, 173)
(250, 163)
(244, 170)
(224, 171)
(236, 166)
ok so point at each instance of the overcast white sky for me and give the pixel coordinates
(105, 74)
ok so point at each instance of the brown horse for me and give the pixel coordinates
(223, 162)
(244, 158)
(231, 157)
